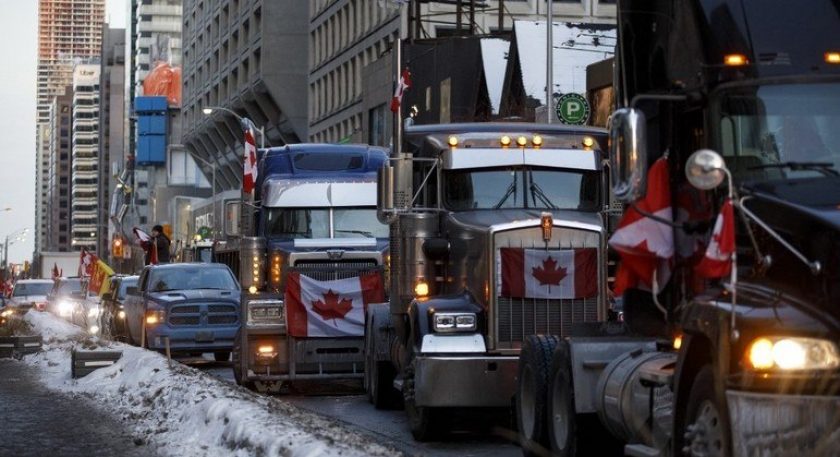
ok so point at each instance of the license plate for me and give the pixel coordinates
(204, 337)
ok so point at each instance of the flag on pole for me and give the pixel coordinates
(717, 262)
(56, 273)
(147, 243)
(86, 262)
(402, 86)
(250, 173)
(330, 308)
(554, 274)
(645, 244)
(99, 283)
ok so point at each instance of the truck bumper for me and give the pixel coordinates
(302, 358)
(196, 339)
(769, 425)
(465, 381)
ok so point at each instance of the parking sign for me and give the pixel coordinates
(572, 109)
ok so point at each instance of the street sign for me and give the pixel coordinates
(572, 109)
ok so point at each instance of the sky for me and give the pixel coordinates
(18, 55)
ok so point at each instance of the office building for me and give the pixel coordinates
(85, 144)
(112, 153)
(59, 171)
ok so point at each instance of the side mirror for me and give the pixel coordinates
(131, 290)
(628, 154)
(231, 218)
(385, 194)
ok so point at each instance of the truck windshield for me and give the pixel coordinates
(192, 278)
(31, 288)
(540, 188)
(315, 223)
(124, 285)
(68, 286)
(780, 131)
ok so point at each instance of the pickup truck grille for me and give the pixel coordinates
(205, 314)
(520, 317)
(328, 270)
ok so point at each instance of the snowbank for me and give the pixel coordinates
(185, 412)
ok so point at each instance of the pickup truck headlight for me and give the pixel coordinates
(94, 311)
(266, 312)
(793, 354)
(65, 308)
(454, 322)
(155, 316)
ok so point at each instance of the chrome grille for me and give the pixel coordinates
(328, 270)
(520, 317)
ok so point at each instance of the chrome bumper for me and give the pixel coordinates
(769, 425)
(468, 381)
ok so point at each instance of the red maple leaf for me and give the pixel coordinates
(332, 307)
(548, 273)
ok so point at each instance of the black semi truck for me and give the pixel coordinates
(742, 98)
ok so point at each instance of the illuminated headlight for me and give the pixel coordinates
(121, 314)
(454, 322)
(155, 317)
(6, 313)
(266, 312)
(793, 353)
(94, 311)
(266, 351)
(94, 329)
(65, 308)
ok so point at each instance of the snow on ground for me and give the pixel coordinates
(184, 412)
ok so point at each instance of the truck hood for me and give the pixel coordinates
(502, 219)
(177, 296)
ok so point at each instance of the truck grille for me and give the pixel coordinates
(520, 317)
(328, 270)
(183, 320)
(209, 314)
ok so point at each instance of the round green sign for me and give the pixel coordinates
(205, 232)
(572, 109)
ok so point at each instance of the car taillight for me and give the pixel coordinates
(41, 306)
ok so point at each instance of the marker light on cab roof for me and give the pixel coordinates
(735, 60)
(832, 57)
(588, 141)
(537, 141)
(453, 141)
(522, 141)
(505, 141)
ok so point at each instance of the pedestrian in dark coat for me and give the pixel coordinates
(161, 244)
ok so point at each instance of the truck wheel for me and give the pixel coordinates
(236, 356)
(379, 375)
(531, 393)
(422, 421)
(705, 433)
(561, 404)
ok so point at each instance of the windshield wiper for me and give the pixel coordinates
(537, 193)
(357, 232)
(826, 168)
(511, 190)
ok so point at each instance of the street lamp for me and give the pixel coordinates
(212, 165)
(19, 233)
(244, 121)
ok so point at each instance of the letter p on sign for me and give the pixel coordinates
(572, 109)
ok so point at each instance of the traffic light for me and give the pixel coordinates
(117, 247)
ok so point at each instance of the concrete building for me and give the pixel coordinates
(68, 30)
(248, 56)
(59, 171)
(112, 153)
(350, 84)
(157, 37)
(85, 178)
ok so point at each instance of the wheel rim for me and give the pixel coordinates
(559, 413)
(705, 435)
(527, 402)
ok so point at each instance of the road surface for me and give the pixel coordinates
(485, 437)
(37, 422)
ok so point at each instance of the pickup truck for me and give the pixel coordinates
(193, 305)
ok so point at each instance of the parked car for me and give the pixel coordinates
(65, 296)
(113, 310)
(29, 293)
(195, 306)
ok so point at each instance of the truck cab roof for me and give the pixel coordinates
(320, 160)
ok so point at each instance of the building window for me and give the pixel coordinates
(377, 119)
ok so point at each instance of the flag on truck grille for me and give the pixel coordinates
(249, 176)
(717, 262)
(330, 308)
(541, 273)
(643, 239)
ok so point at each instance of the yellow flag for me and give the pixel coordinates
(99, 280)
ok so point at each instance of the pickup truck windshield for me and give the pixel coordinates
(780, 131)
(293, 223)
(538, 188)
(124, 285)
(68, 286)
(32, 288)
(166, 279)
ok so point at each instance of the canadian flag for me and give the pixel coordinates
(56, 273)
(249, 177)
(330, 308)
(717, 262)
(402, 86)
(645, 244)
(86, 262)
(540, 273)
(147, 244)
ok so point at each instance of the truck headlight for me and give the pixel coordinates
(65, 308)
(155, 316)
(454, 322)
(6, 313)
(94, 311)
(793, 353)
(266, 312)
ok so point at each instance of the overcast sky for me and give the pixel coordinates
(18, 54)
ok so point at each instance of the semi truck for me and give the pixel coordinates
(733, 106)
(497, 232)
(312, 262)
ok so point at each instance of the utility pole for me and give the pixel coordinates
(549, 73)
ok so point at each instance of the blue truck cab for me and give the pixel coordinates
(315, 216)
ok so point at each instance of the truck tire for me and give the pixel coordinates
(379, 375)
(561, 417)
(705, 433)
(236, 355)
(422, 421)
(531, 393)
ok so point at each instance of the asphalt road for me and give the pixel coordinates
(36, 422)
(472, 435)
